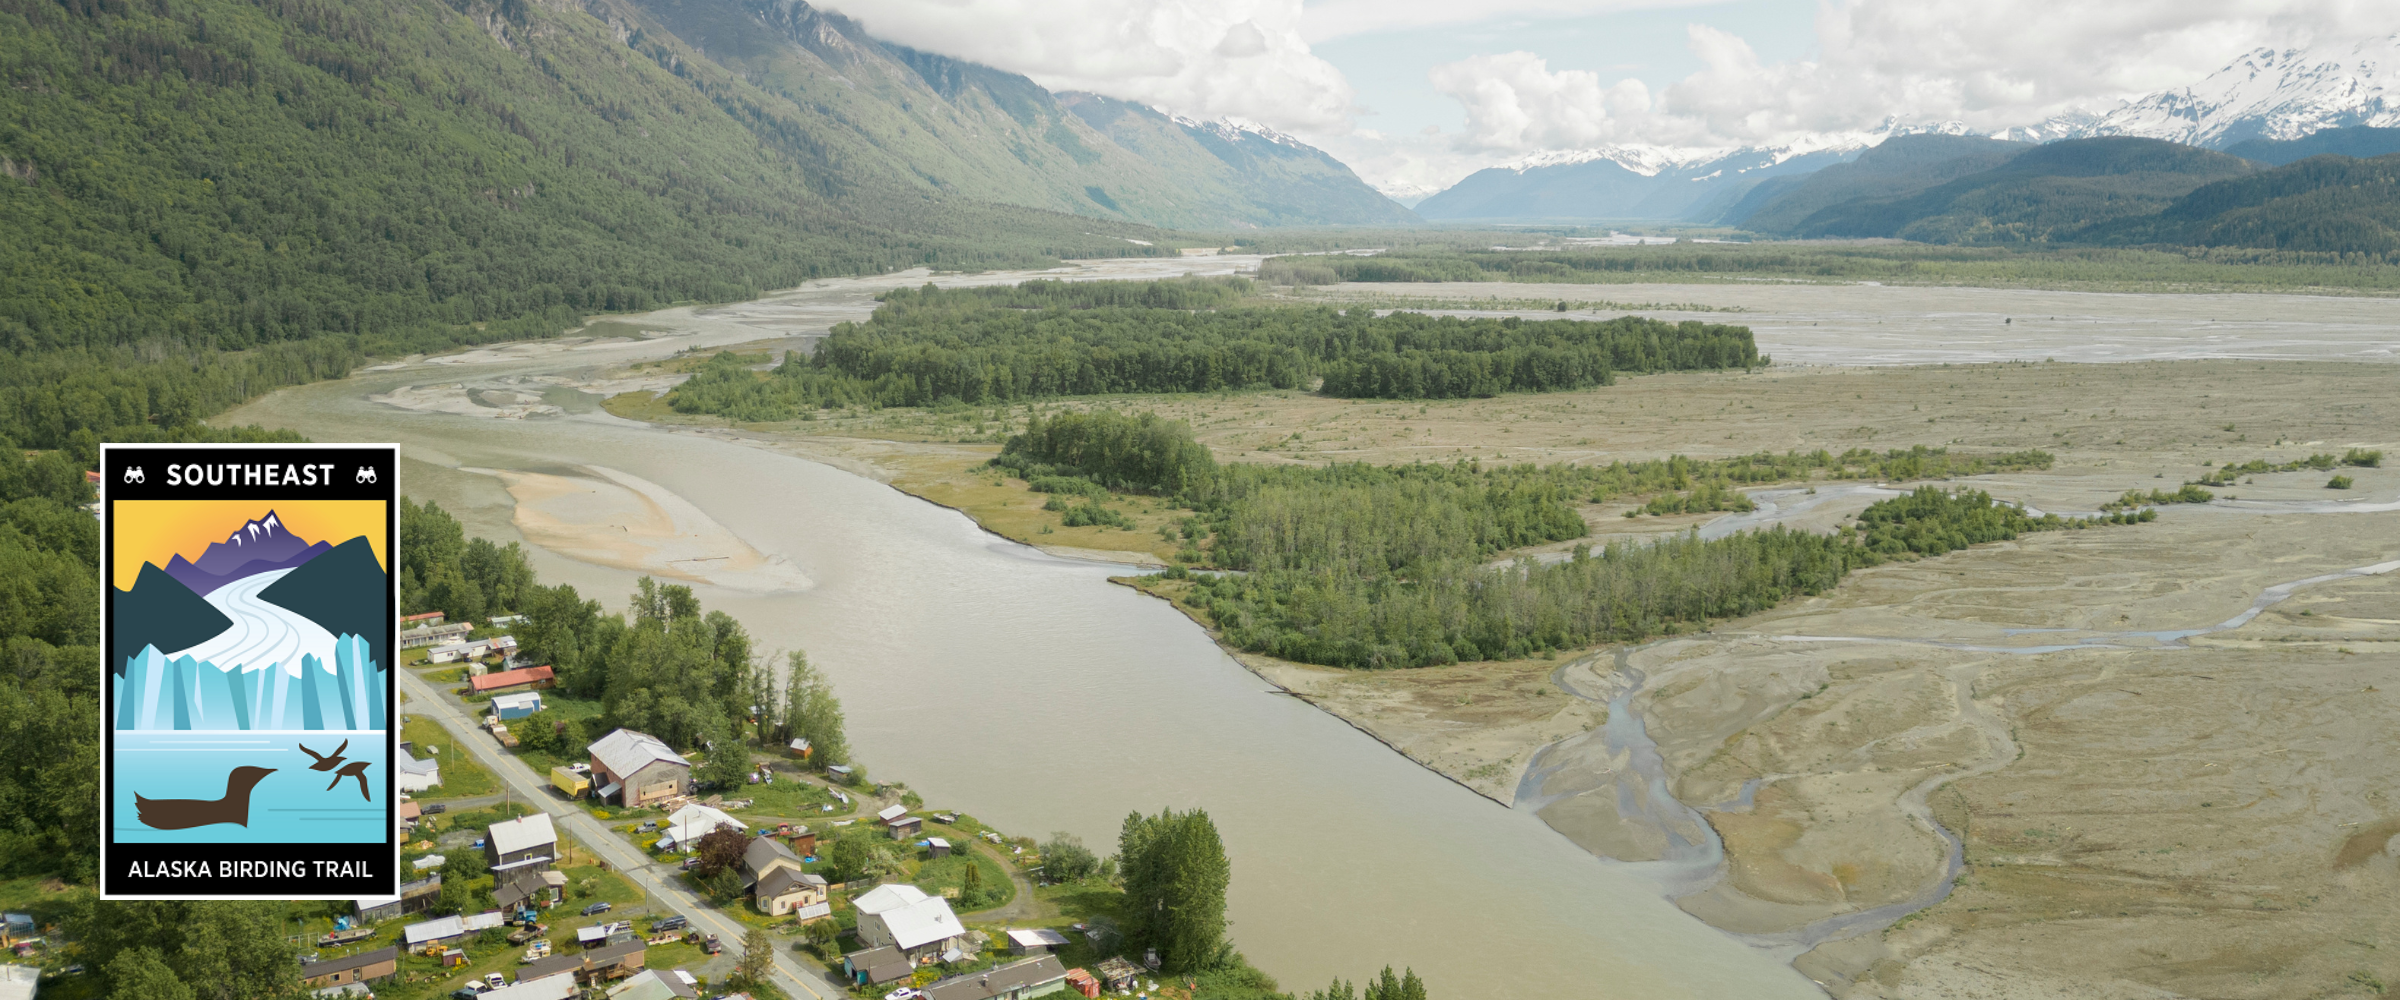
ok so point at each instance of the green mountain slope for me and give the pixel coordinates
(2323, 204)
(2050, 193)
(972, 130)
(1902, 165)
(2361, 141)
(301, 181)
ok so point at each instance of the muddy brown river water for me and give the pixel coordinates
(1028, 690)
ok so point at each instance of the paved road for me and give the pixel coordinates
(796, 978)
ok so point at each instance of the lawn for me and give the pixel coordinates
(462, 776)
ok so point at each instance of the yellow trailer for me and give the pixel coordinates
(575, 784)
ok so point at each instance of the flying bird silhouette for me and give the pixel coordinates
(183, 814)
(325, 761)
(354, 769)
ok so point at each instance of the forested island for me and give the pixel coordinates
(1046, 339)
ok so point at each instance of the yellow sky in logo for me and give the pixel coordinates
(156, 531)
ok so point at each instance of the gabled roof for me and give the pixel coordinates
(409, 764)
(359, 961)
(891, 813)
(543, 967)
(432, 930)
(922, 923)
(1000, 981)
(519, 698)
(888, 897)
(764, 851)
(624, 752)
(507, 678)
(881, 965)
(614, 953)
(557, 986)
(644, 985)
(692, 822)
(524, 833)
(785, 880)
(1038, 937)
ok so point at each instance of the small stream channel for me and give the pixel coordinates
(1692, 855)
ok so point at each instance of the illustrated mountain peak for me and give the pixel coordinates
(257, 546)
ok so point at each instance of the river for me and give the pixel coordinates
(1031, 692)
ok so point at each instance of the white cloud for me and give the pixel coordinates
(1989, 63)
(1330, 19)
(1239, 58)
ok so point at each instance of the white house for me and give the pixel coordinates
(904, 917)
(416, 775)
(687, 825)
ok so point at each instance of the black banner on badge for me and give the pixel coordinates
(249, 613)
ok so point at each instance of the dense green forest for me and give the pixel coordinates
(202, 200)
(2095, 268)
(1050, 338)
(1391, 566)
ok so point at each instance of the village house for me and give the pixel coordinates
(638, 768)
(433, 635)
(556, 986)
(785, 891)
(904, 917)
(543, 968)
(364, 967)
(687, 825)
(473, 649)
(524, 678)
(764, 855)
(1015, 981)
(651, 984)
(414, 897)
(613, 961)
(415, 775)
(418, 935)
(526, 888)
(528, 842)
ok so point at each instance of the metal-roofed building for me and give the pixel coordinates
(528, 842)
(1015, 981)
(638, 769)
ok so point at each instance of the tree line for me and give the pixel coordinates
(1047, 339)
(1390, 566)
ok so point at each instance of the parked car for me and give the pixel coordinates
(600, 907)
(903, 993)
(711, 945)
(676, 922)
(466, 992)
(434, 807)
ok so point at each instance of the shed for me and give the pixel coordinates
(1117, 973)
(516, 706)
(1035, 941)
(936, 847)
(890, 813)
(800, 748)
(906, 827)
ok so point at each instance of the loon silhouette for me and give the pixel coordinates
(354, 769)
(183, 814)
(325, 761)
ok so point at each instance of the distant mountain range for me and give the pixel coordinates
(2270, 107)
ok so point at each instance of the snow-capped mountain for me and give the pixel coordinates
(256, 547)
(1642, 181)
(1237, 130)
(2266, 94)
